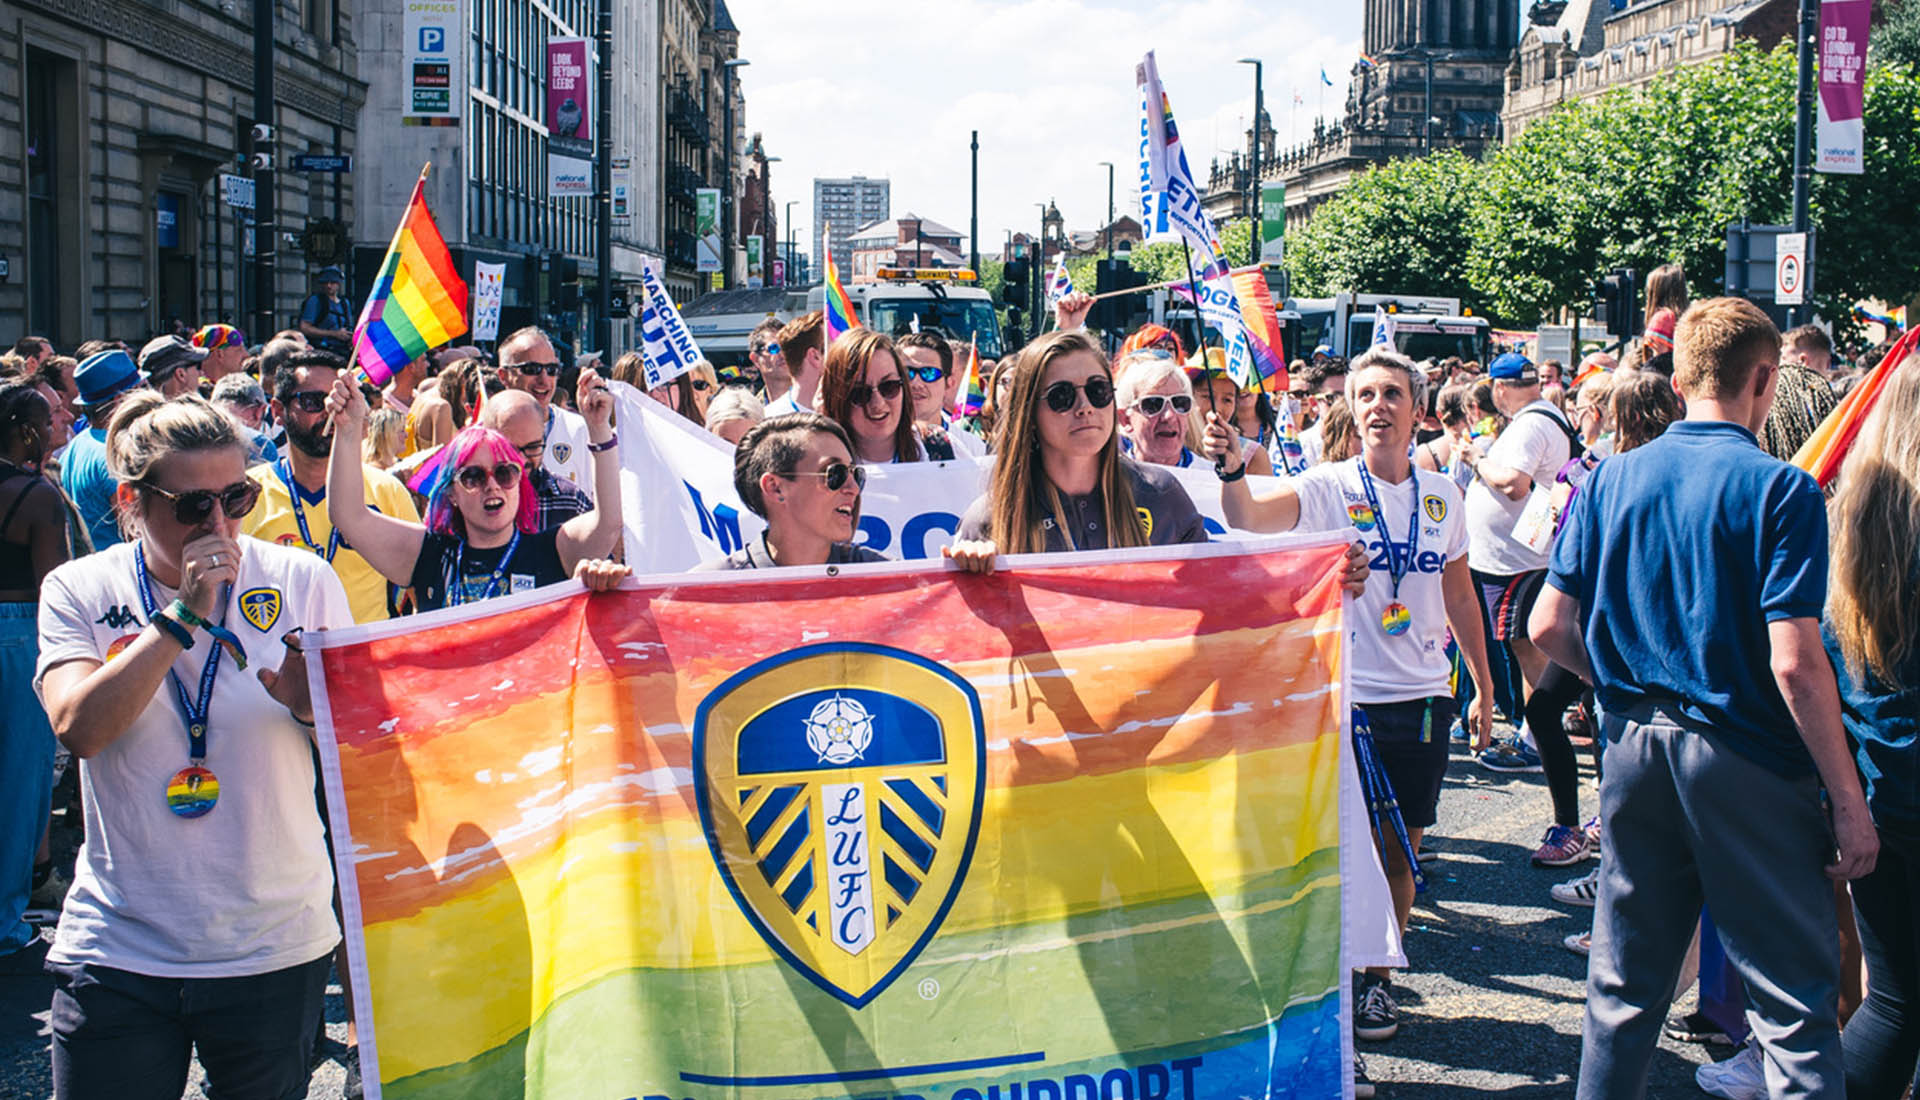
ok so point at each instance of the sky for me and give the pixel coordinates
(893, 88)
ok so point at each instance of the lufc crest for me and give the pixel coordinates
(1436, 509)
(840, 793)
(261, 607)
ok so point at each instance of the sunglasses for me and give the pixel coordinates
(504, 474)
(192, 508)
(551, 370)
(863, 393)
(1155, 404)
(1062, 396)
(837, 474)
(772, 349)
(929, 375)
(700, 385)
(309, 401)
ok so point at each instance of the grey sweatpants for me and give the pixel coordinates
(1688, 820)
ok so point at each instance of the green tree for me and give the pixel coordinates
(1896, 34)
(1397, 228)
(1164, 261)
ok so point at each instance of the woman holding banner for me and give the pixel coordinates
(797, 472)
(863, 388)
(479, 540)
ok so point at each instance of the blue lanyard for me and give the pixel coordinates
(457, 585)
(285, 471)
(1397, 566)
(193, 710)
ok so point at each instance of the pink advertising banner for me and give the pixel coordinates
(569, 98)
(1840, 136)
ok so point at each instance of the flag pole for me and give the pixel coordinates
(1200, 338)
(1163, 286)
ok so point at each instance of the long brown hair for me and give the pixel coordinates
(1873, 603)
(1020, 494)
(846, 367)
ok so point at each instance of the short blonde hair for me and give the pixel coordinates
(147, 427)
(1716, 344)
(735, 403)
(386, 437)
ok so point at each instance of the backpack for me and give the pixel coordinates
(1575, 447)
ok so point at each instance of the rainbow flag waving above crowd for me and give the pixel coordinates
(838, 308)
(1824, 451)
(973, 397)
(419, 301)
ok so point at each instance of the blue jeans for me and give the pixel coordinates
(26, 759)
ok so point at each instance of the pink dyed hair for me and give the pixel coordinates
(489, 447)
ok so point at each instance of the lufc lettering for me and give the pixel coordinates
(1172, 1080)
(851, 907)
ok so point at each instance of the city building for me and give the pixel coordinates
(758, 215)
(1432, 76)
(1121, 236)
(843, 206)
(907, 241)
(1574, 50)
(121, 118)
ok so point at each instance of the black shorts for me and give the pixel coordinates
(1411, 741)
(1509, 600)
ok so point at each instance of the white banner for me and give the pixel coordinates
(666, 343)
(489, 283)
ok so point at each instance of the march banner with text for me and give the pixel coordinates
(1081, 828)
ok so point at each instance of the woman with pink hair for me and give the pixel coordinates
(480, 538)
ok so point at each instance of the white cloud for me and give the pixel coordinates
(893, 87)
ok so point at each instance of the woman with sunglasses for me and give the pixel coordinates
(480, 538)
(200, 914)
(797, 472)
(863, 388)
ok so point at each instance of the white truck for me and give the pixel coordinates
(1424, 326)
(945, 300)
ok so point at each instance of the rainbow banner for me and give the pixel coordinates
(1264, 339)
(1824, 450)
(772, 836)
(838, 313)
(419, 301)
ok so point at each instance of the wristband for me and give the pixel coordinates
(612, 442)
(181, 613)
(1234, 476)
(172, 629)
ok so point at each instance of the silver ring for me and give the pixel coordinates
(215, 559)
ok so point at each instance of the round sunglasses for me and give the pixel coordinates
(1155, 404)
(837, 474)
(863, 393)
(1063, 395)
(192, 508)
(504, 474)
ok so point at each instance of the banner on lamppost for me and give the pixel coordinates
(1273, 222)
(706, 228)
(756, 262)
(431, 55)
(569, 118)
(1839, 139)
(622, 191)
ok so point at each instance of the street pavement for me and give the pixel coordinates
(1491, 1005)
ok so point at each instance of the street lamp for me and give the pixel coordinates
(766, 217)
(1108, 165)
(1253, 173)
(1038, 270)
(786, 261)
(726, 167)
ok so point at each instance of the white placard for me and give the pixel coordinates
(1790, 269)
(489, 281)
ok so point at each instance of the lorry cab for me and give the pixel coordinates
(934, 299)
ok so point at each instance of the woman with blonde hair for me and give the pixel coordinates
(200, 915)
(386, 438)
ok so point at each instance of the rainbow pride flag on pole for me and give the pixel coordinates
(1264, 338)
(731, 835)
(973, 396)
(1824, 451)
(838, 308)
(419, 301)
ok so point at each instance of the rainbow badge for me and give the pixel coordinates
(1396, 619)
(1361, 514)
(192, 791)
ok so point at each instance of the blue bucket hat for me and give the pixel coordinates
(104, 376)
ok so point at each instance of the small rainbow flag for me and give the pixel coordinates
(973, 397)
(1895, 318)
(1824, 451)
(419, 301)
(838, 307)
(1264, 339)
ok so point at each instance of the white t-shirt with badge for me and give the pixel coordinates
(1390, 668)
(247, 888)
(1535, 444)
(567, 455)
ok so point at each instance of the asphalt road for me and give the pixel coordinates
(1491, 1005)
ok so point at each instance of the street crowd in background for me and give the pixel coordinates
(1611, 554)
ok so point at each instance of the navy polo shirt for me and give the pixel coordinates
(1680, 552)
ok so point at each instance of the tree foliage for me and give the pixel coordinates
(1399, 228)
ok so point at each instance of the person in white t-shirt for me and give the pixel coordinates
(1410, 522)
(528, 363)
(200, 914)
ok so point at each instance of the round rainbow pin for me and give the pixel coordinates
(192, 791)
(1361, 515)
(1396, 619)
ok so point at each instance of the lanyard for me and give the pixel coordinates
(285, 471)
(193, 710)
(1397, 567)
(457, 587)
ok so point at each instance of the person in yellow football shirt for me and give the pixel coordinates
(293, 501)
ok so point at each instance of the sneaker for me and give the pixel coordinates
(1510, 756)
(1579, 891)
(1375, 1017)
(1696, 1028)
(1738, 1078)
(1592, 829)
(1457, 733)
(1563, 846)
(1580, 943)
(1362, 1084)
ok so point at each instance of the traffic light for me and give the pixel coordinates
(1014, 288)
(1015, 335)
(563, 283)
(1617, 303)
(1114, 313)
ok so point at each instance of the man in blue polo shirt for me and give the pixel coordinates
(1687, 588)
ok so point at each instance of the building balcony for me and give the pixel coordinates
(680, 248)
(682, 183)
(685, 114)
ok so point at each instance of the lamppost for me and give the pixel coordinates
(1108, 165)
(766, 220)
(727, 205)
(1038, 270)
(786, 261)
(1253, 170)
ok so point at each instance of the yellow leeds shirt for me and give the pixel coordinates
(272, 519)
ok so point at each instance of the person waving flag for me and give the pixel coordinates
(1061, 284)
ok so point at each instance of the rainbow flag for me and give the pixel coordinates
(1824, 451)
(1264, 339)
(419, 301)
(973, 397)
(731, 835)
(1895, 318)
(839, 315)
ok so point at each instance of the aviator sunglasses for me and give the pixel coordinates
(863, 393)
(504, 474)
(836, 474)
(1154, 404)
(192, 508)
(1061, 396)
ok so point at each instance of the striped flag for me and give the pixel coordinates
(1824, 451)
(838, 308)
(1264, 342)
(419, 301)
(973, 397)
(1061, 284)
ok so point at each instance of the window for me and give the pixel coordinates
(321, 19)
(52, 163)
